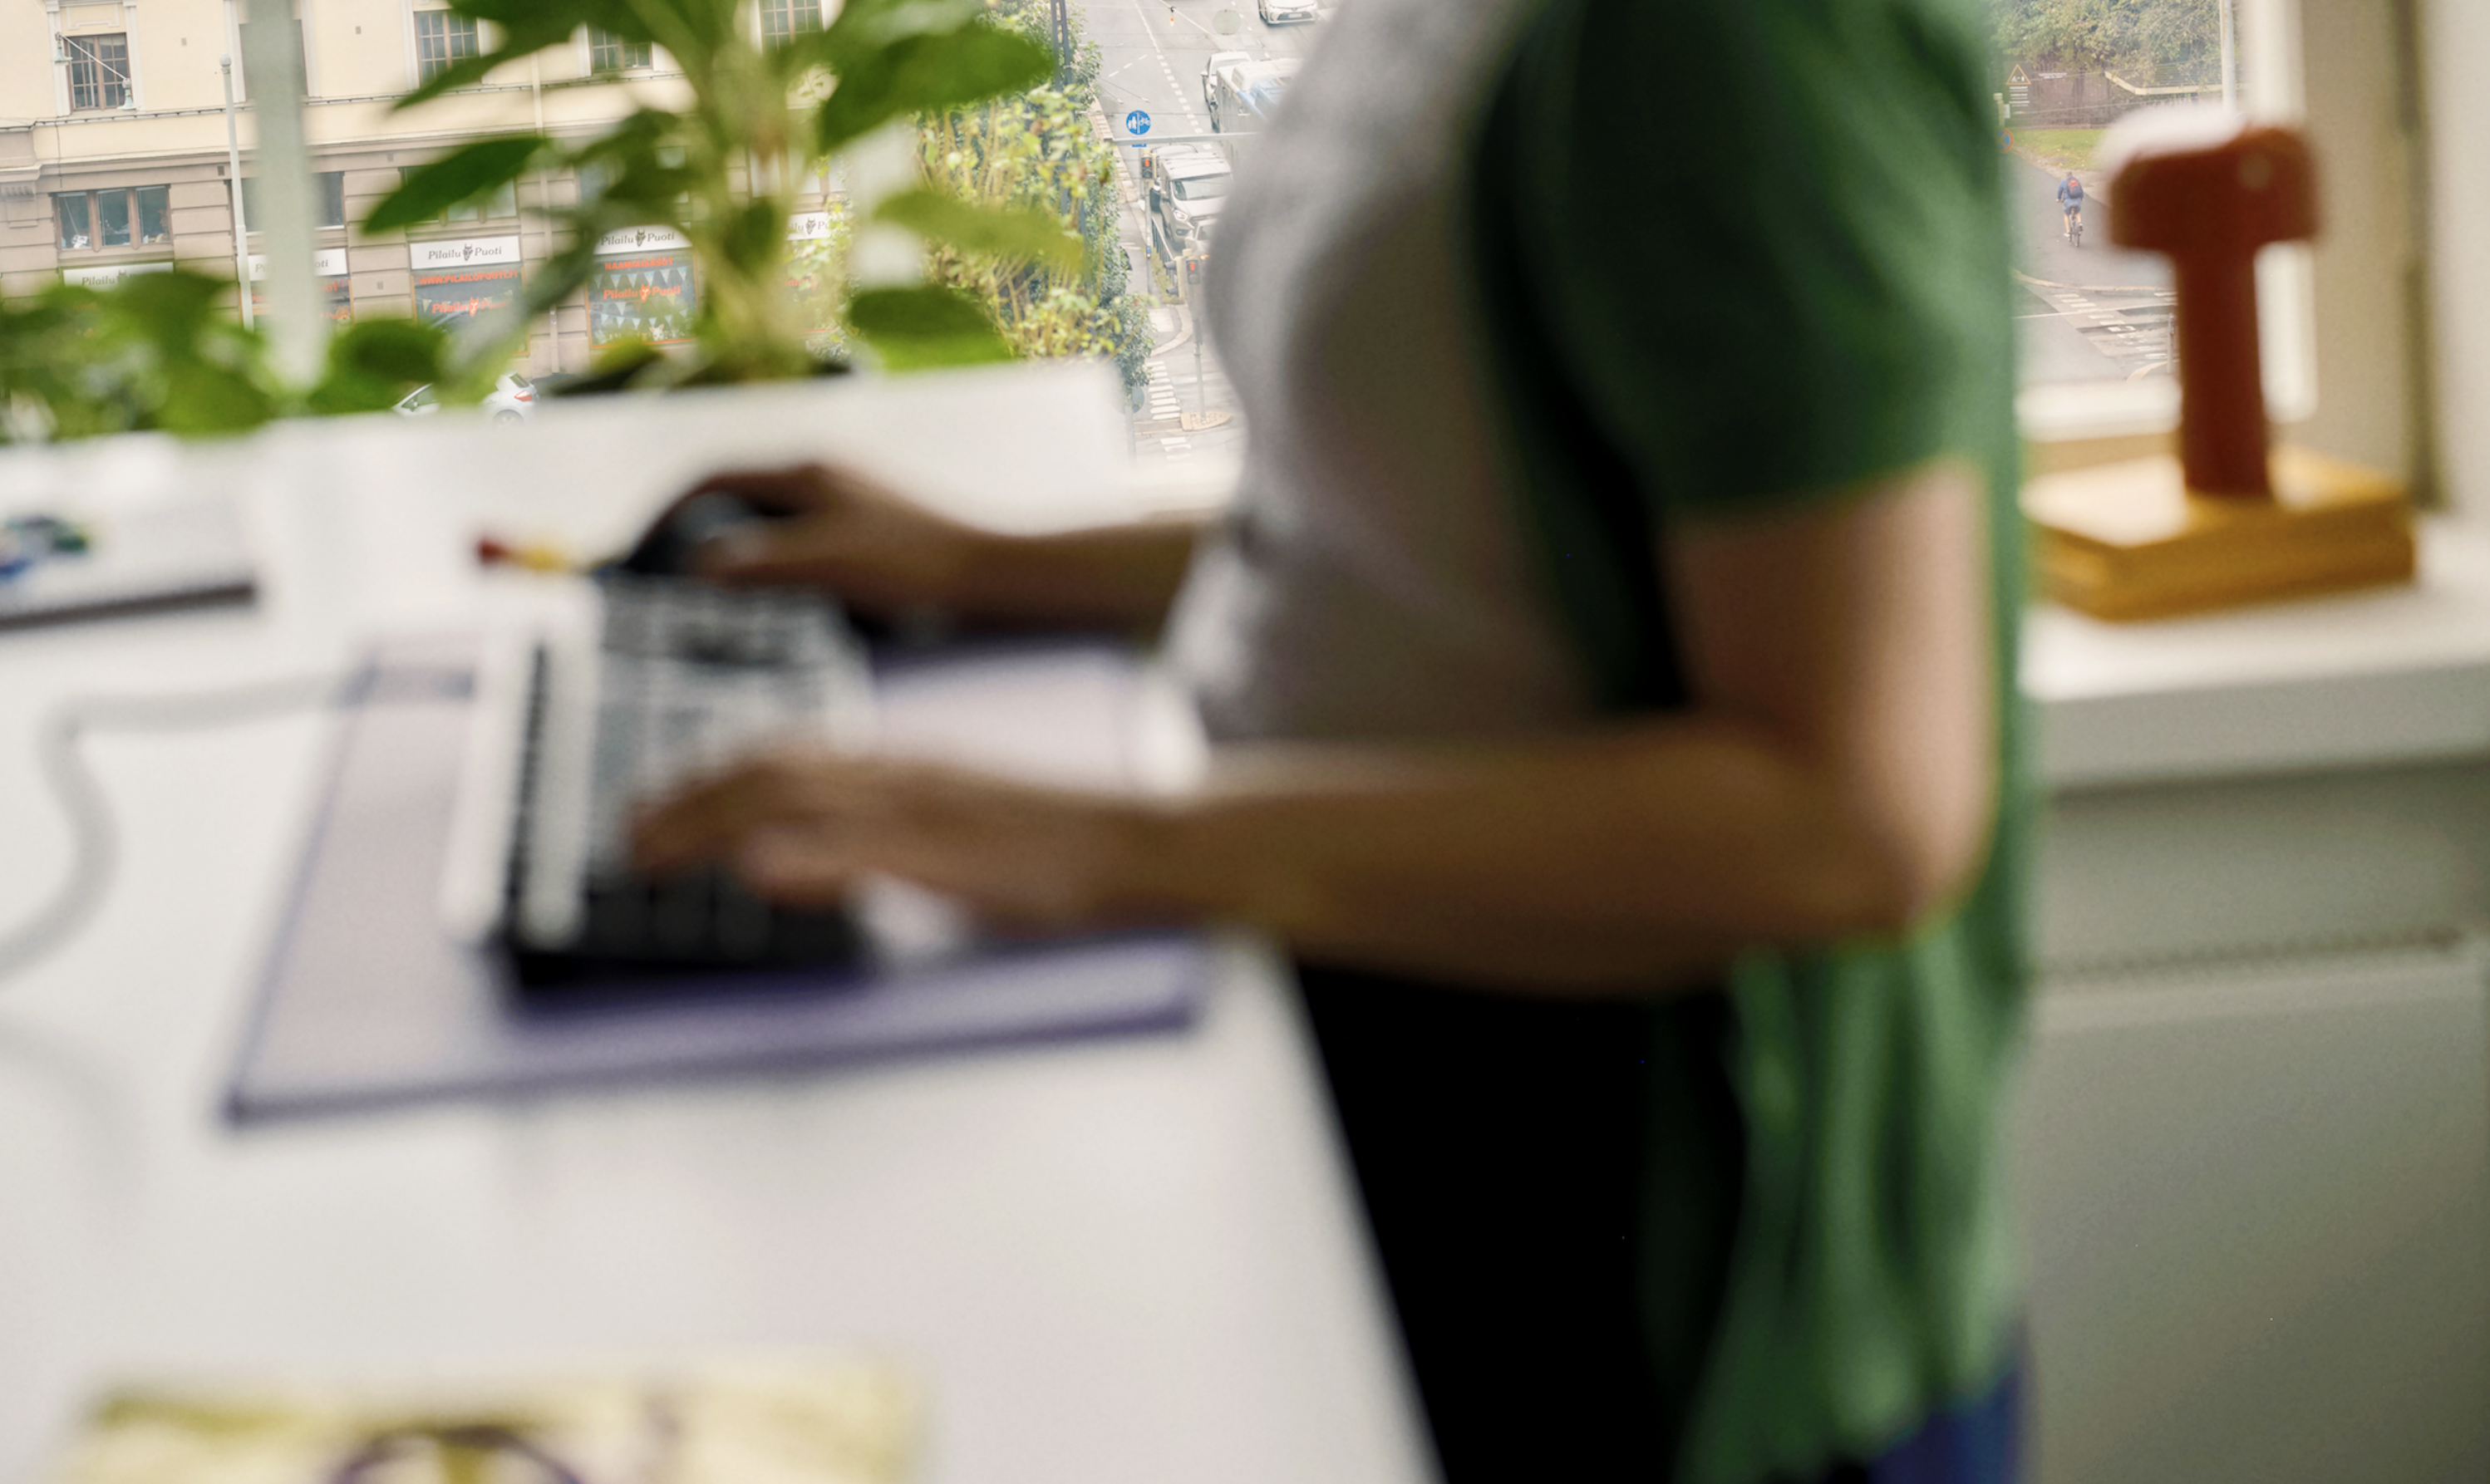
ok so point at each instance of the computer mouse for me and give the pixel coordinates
(671, 547)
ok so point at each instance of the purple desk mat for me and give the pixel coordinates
(368, 1002)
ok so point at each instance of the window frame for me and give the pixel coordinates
(2072, 423)
(427, 68)
(100, 83)
(329, 185)
(502, 206)
(629, 56)
(790, 19)
(135, 203)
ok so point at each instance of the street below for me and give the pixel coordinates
(2095, 312)
(2090, 313)
(1153, 56)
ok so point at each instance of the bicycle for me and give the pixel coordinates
(2075, 225)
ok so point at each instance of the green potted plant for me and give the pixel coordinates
(879, 61)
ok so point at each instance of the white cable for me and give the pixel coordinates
(92, 851)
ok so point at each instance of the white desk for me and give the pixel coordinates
(1133, 1259)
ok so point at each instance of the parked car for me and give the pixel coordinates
(1274, 11)
(1186, 186)
(512, 398)
(1247, 91)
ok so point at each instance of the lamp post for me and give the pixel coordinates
(272, 67)
(233, 179)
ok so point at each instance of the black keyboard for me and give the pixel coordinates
(684, 679)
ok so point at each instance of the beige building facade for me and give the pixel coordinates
(113, 156)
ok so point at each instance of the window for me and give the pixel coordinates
(114, 218)
(98, 71)
(328, 199)
(2096, 321)
(441, 39)
(301, 76)
(610, 53)
(502, 201)
(783, 18)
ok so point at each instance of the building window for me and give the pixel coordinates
(783, 18)
(503, 201)
(98, 71)
(328, 200)
(114, 218)
(610, 53)
(441, 39)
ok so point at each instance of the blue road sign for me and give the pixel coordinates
(1138, 122)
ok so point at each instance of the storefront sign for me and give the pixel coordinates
(335, 301)
(641, 240)
(326, 262)
(808, 226)
(649, 294)
(452, 296)
(462, 252)
(109, 277)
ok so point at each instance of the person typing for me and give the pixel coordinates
(1609, 662)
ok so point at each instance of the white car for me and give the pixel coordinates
(1274, 11)
(512, 398)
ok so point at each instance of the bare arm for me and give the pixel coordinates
(882, 552)
(1836, 777)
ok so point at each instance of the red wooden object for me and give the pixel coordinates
(2210, 208)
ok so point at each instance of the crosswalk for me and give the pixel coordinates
(2132, 326)
(1173, 398)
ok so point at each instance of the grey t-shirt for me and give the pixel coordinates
(1372, 581)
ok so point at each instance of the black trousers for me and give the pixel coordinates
(1519, 1159)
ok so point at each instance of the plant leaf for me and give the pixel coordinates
(755, 235)
(460, 176)
(560, 276)
(204, 398)
(527, 26)
(918, 328)
(389, 350)
(165, 306)
(867, 26)
(616, 15)
(1021, 233)
(922, 74)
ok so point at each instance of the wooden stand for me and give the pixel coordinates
(2128, 541)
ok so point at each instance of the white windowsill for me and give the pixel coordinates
(2374, 679)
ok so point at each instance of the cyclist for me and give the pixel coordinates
(2070, 200)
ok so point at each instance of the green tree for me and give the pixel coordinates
(2178, 37)
(1041, 152)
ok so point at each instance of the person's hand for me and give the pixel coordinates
(875, 548)
(803, 827)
